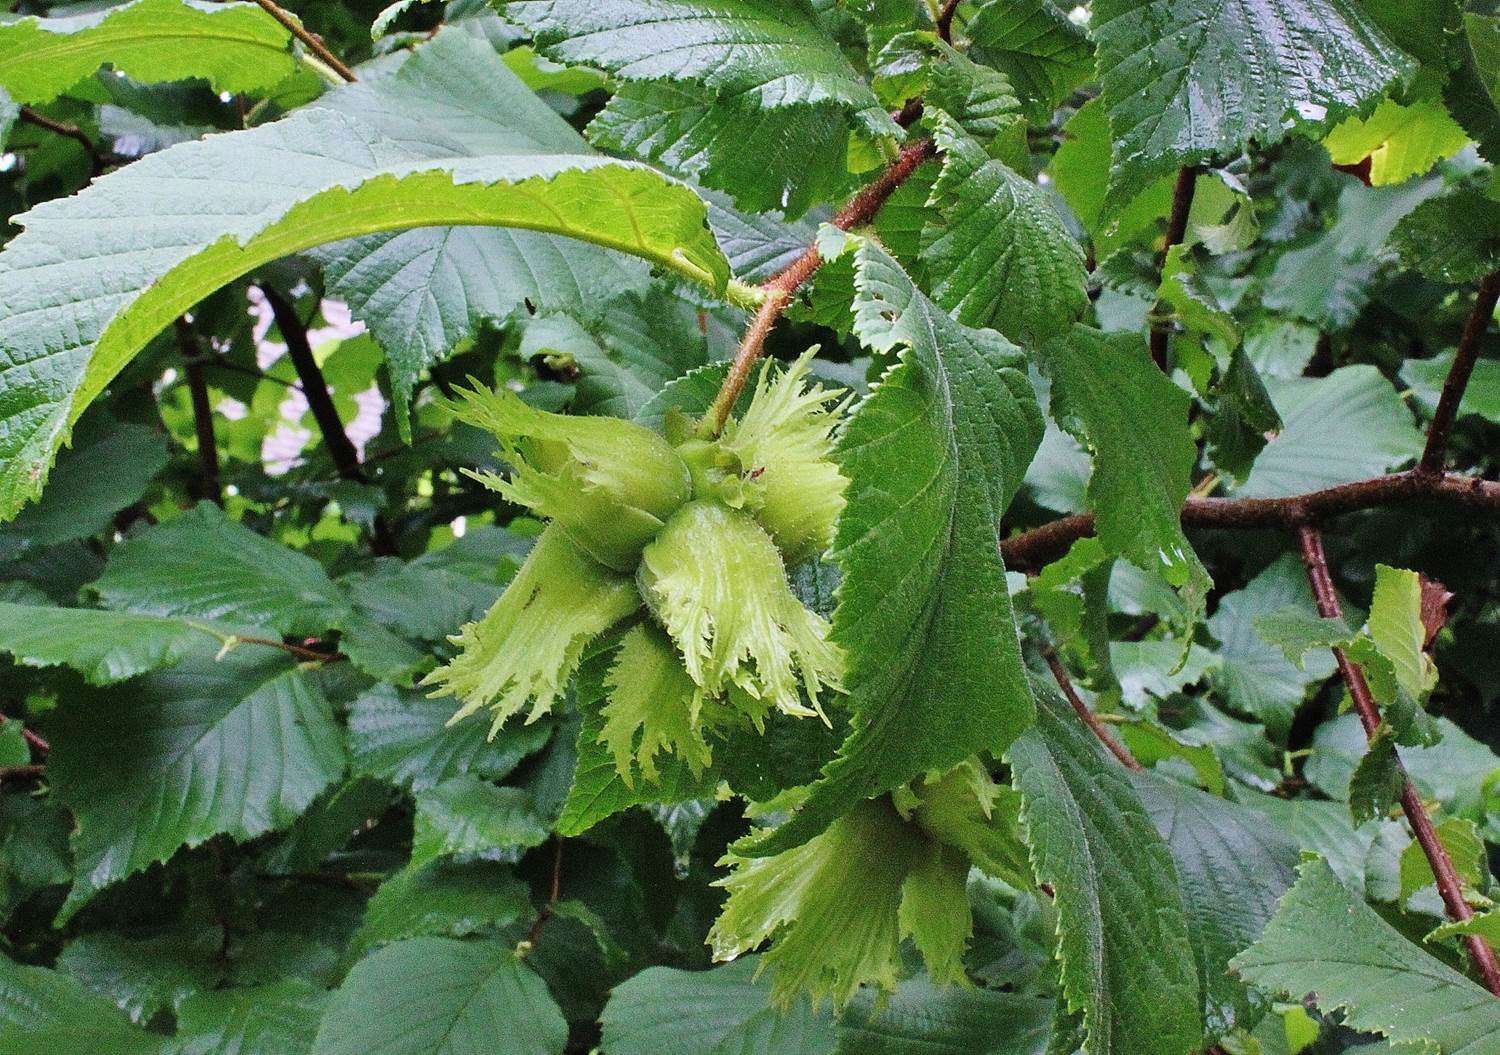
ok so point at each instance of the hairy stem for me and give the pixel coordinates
(1458, 375)
(944, 22)
(1315, 560)
(780, 288)
(203, 414)
(1032, 549)
(1182, 204)
(1090, 719)
(310, 40)
(320, 403)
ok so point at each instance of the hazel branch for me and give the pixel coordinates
(310, 40)
(1464, 359)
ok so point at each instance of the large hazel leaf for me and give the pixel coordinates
(1034, 43)
(769, 53)
(933, 458)
(1122, 930)
(424, 290)
(235, 47)
(1186, 81)
(47, 1011)
(239, 745)
(1107, 392)
(103, 646)
(1327, 942)
(473, 998)
(1231, 868)
(95, 276)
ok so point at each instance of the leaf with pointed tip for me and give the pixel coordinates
(239, 745)
(933, 457)
(79, 297)
(235, 47)
(1122, 932)
(475, 998)
(1184, 83)
(1326, 942)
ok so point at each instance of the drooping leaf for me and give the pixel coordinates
(1184, 84)
(202, 564)
(996, 251)
(235, 47)
(663, 1011)
(1127, 959)
(104, 647)
(239, 745)
(313, 178)
(766, 53)
(1326, 942)
(1108, 393)
(475, 998)
(1231, 869)
(1034, 43)
(933, 458)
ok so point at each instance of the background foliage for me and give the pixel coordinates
(1158, 292)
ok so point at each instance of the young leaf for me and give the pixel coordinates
(1123, 938)
(1184, 85)
(235, 47)
(1326, 942)
(313, 178)
(933, 457)
(239, 745)
(474, 998)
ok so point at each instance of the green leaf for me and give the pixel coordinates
(146, 975)
(1231, 869)
(1395, 626)
(240, 745)
(933, 457)
(766, 53)
(1034, 43)
(104, 647)
(1108, 393)
(948, 1020)
(725, 1011)
(785, 159)
(1122, 930)
(313, 178)
(1325, 942)
(1401, 140)
(1256, 677)
(1465, 848)
(423, 291)
(235, 47)
(474, 998)
(1347, 426)
(202, 564)
(280, 1018)
(1455, 238)
(450, 899)
(404, 738)
(1080, 170)
(465, 815)
(1481, 397)
(1184, 84)
(47, 1011)
(1244, 418)
(996, 251)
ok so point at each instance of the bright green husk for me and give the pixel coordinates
(529, 643)
(838, 906)
(650, 692)
(607, 482)
(717, 583)
(785, 443)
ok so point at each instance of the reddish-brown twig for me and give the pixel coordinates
(1090, 719)
(310, 40)
(1458, 374)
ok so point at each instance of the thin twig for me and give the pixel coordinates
(203, 414)
(220, 363)
(307, 655)
(945, 20)
(1090, 719)
(315, 388)
(780, 288)
(1032, 549)
(310, 40)
(545, 912)
(1182, 204)
(98, 158)
(1458, 374)
(38, 744)
(1315, 560)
